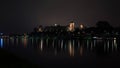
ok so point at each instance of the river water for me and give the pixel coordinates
(64, 52)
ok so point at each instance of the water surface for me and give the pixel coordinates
(65, 52)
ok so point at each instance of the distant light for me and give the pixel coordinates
(81, 26)
(55, 24)
(114, 38)
(1, 33)
(94, 37)
(71, 26)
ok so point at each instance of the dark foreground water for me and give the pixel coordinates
(56, 53)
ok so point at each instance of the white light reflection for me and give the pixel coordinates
(108, 45)
(61, 44)
(71, 49)
(41, 44)
(87, 44)
(115, 43)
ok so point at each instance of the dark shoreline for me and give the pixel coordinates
(9, 60)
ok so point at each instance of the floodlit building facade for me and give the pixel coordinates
(71, 26)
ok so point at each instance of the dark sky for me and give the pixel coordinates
(23, 15)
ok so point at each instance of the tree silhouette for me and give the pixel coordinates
(35, 29)
(104, 26)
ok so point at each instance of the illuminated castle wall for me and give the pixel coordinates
(71, 26)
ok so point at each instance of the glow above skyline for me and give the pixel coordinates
(23, 16)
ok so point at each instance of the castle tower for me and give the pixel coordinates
(71, 26)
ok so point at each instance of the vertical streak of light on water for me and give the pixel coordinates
(81, 46)
(70, 47)
(71, 50)
(1, 42)
(115, 44)
(61, 44)
(32, 40)
(91, 45)
(112, 45)
(104, 46)
(78, 43)
(108, 45)
(66, 43)
(87, 44)
(41, 44)
(94, 42)
(25, 42)
(53, 43)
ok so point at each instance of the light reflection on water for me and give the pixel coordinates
(1, 42)
(71, 48)
(24, 41)
(62, 46)
(41, 44)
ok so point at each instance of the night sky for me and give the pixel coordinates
(23, 15)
